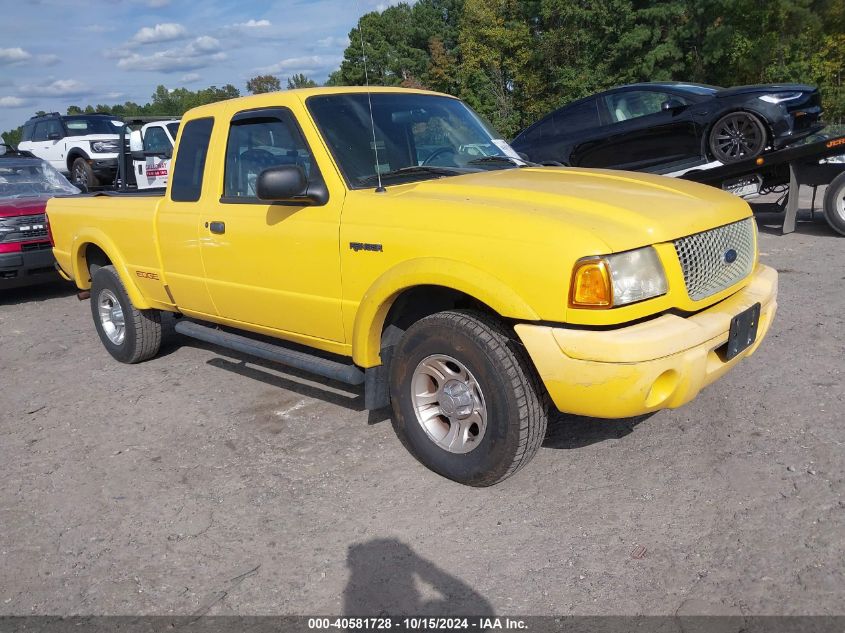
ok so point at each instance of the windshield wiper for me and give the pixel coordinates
(516, 162)
(428, 170)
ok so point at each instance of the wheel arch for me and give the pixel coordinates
(94, 248)
(73, 154)
(421, 287)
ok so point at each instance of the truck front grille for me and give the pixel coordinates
(23, 228)
(716, 259)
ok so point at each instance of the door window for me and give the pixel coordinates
(155, 140)
(624, 106)
(54, 127)
(190, 161)
(258, 142)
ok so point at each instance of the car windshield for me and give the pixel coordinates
(31, 177)
(417, 136)
(83, 125)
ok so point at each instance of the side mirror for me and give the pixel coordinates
(672, 104)
(138, 155)
(54, 136)
(281, 183)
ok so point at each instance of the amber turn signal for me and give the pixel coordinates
(591, 285)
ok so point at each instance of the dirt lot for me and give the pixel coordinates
(197, 483)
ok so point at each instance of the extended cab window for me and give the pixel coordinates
(258, 140)
(190, 161)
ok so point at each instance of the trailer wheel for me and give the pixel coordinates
(467, 402)
(737, 136)
(834, 204)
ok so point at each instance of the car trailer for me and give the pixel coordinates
(125, 179)
(784, 171)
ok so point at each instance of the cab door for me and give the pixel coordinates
(272, 265)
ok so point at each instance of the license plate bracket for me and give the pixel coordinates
(743, 331)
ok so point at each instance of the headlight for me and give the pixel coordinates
(780, 97)
(617, 280)
(104, 147)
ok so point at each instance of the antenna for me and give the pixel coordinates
(379, 189)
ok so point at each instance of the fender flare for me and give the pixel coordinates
(73, 154)
(428, 271)
(99, 239)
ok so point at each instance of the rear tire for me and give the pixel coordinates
(466, 400)
(81, 172)
(834, 204)
(130, 335)
(737, 136)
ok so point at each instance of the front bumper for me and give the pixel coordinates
(658, 364)
(27, 267)
(103, 167)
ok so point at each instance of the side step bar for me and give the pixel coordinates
(346, 373)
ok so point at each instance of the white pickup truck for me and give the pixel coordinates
(152, 150)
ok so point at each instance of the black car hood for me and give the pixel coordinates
(762, 89)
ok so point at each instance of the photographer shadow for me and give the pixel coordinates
(387, 578)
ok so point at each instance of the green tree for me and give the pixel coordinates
(300, 81)
(263, 83)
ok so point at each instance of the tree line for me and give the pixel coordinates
(516, 60)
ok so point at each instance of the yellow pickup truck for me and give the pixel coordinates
(389, 238)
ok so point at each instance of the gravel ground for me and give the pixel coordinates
(199, 483)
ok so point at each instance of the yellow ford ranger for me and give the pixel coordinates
(389, 238)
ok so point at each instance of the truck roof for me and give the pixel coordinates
(273, 98)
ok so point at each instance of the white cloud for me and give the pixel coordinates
(13, 102)
(166, 32)
(306, 64)
(201, 52)
(13, 56)
(48, 60)
(333, 42)
(190, 78)
(253, 24)
(57, 88)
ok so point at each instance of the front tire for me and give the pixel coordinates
(834, 204)
(130, 335)
(81, 172)
(466, 401)
(737, 136)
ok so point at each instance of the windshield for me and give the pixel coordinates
(31, 177)
(413, 132)
(83, 125)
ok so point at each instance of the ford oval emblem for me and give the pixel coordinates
(730, 256)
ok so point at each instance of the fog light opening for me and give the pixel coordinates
(663, 388)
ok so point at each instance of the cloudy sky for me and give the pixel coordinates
(54, 53)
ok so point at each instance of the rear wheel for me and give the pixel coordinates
(737, 136)
(81, 172)
(130, 335)
(466, 401)
(834, 204)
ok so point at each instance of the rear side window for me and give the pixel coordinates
(578, 117)
(190, 161)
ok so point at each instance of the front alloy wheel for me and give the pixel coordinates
(737, 136)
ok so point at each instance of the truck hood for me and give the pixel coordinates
(13, 207)
(624, 209)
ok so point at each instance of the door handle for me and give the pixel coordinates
(216, 227)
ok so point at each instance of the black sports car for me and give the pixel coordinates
(649, 125)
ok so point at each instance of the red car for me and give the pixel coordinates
(26, 183)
